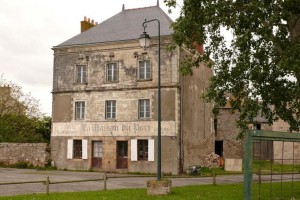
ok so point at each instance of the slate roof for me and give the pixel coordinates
(125, 25)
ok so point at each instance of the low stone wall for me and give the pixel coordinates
(233, 164)
(37, 154)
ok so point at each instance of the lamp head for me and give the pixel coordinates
(145, 40)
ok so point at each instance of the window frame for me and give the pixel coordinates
(115, 72)
(77, 149)
(98, 150)
(144, 109)
(144, 70)
(81, 76)
(110, 109)
(142, 150)
(80, 115)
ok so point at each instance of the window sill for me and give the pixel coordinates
(144, 119)
(81, 83)
(111, 82)
(111, 120)
(144, 80)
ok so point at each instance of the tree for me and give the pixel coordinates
(20, 118)
(21, 128)
(259, 68)
(14, 101)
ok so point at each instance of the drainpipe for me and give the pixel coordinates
(181, 131)
(181, 147)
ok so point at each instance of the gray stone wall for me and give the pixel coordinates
(197, 135)
(126, 55)
(109, 159)
(227, 131)
(37, 154)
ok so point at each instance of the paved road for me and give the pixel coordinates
(18, 175)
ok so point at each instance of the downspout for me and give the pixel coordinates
(181, 127)
(181, 147)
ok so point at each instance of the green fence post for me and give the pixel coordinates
(248, 158)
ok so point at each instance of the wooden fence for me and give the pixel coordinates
(47, 182)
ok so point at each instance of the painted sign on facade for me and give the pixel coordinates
(140, 129)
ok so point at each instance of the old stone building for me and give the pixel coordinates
(105, 99)
(231, 148)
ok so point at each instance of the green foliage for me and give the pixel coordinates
(259, 67)
(25, 165)
(267, 167)
(20, 118)
(23, 129)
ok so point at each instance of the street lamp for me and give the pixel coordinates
(145, 42)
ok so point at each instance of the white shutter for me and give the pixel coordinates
(150, 150)
(84, 149)
(70, 149)
(134, 150)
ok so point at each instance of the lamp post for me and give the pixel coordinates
(145, 42)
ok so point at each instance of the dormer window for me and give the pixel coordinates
(112, 72)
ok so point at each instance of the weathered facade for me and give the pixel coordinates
(105, 100)
(230, 147)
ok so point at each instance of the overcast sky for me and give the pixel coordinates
(30, 28)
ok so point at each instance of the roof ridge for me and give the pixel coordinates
(140, 8)
(123, 26)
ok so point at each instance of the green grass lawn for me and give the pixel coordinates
(266, 167)
(202, 192)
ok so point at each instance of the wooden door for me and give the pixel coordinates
(97, 155)
(122, 154)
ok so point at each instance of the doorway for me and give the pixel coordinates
(97, 155)
(122, 154)
(219, 148)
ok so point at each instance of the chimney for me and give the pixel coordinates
(86, 24)
(123, 7)
(199, 48)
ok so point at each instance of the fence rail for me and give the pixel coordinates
(22, 182)
(47, 182)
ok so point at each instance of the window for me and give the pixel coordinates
(79, 110)
(258, 126)
(110, 109)
(144, 70)
(142, 150)
(111, 72)
(81, 74)
(97, 149)
(142, 146)
(77, 148)
(144, 108)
